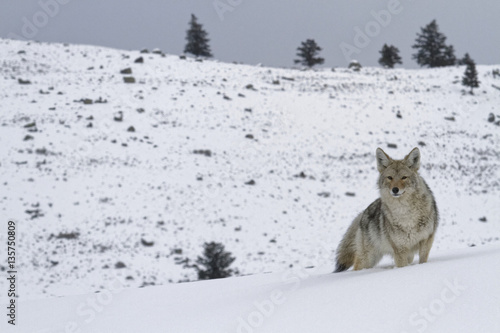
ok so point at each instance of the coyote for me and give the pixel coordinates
(401, 222)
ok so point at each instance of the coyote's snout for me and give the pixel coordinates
(402, 222)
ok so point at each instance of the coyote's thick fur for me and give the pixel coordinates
(402, 222)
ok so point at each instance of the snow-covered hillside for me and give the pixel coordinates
(114, 180)
(457, 291)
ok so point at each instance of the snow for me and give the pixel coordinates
(314, 139)
(457, 291)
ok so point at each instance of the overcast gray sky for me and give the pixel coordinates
(261, 31)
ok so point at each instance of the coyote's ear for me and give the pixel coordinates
(383, 160)
(412, 160)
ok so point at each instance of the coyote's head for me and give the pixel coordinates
(397, 177)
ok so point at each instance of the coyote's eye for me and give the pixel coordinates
(390, 178)
(404, 177)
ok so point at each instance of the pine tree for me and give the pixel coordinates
(308, 52)
(431, 48)
(449, 58)
(214, 263)
(390, 56)
(197, 40)
(465, 60)
(470, 76)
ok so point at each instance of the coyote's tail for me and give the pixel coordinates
(347, 248)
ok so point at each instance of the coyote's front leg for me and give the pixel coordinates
(401, 256)
(424, 249)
